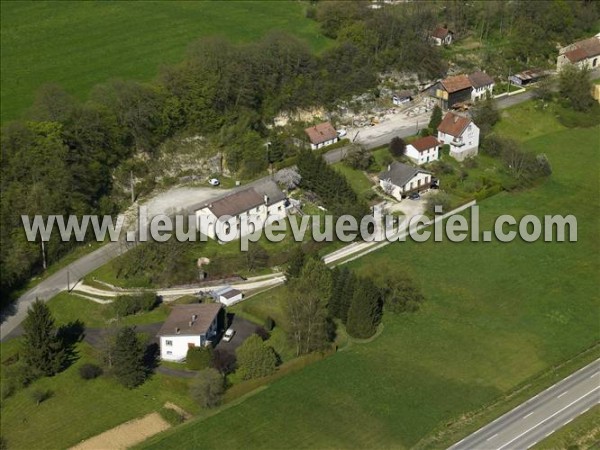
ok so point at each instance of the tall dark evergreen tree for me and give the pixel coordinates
(341, 296)
(295, 263)
(43, 351)
(128, 358)
(436, 119)
(364, 313)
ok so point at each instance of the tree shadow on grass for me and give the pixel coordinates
(70, 335)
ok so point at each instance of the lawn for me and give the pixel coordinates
(80, 44)
(497, 316)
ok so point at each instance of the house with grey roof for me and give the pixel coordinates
(400, 180)
(241, 212)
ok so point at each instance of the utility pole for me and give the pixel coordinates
(68, 281)
(267, 144)
(508, 92)
(44, 265)
(131, 185)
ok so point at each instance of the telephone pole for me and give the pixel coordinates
(131, 185)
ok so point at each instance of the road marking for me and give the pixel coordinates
(525, 417)
(489, 439)
(548, 418)
(560, 395)
(594, 374)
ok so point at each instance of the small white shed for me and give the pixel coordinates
(227, 295)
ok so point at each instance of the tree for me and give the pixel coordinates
(436, 119)
(359, 157)
(255, 358)
(128, 358)
(256, 257)
(306, 307)
(207, 388)
(397, 147)
(486, 115)
(439, 199)
(289, 178)
(43, 352)
(399, 292)
(575, 87)
(295, 263)
(364, 313)
(344, 283)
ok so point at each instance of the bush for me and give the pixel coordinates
(443, 167)
(440, 199)
(471, 163)
(171, 416)
(579, 119)
(90, 371)
(39, 396)
(255, 358)
(126, 305)
(370, 195)
(7, 389)
(208, 388)
(199, 358)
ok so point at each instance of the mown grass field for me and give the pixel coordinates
(496, 317)
(80, 44)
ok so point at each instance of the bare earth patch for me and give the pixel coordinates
(127, 434)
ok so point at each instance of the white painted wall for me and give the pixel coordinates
(481, 93)
(465, 146)
(431, 154)
(177, 350)
(323, 144)
(421, 182)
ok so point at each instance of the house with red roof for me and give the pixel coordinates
(461, 134)
(585, 53)
(441, 36)
(321, 135)
(423, 150)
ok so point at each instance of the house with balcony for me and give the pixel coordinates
(461, 134)
(399, 180)
(423, 150)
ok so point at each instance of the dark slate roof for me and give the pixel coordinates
(178, 322)
(400, 174)
(480, 79)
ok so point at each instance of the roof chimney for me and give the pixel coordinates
(176, 330)
(389, 167)
(266, 199)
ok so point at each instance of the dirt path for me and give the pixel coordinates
(127, 434)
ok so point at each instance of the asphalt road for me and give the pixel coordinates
(541, 415)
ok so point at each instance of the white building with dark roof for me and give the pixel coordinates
(401, 179)
(240, 212)
(194, 325)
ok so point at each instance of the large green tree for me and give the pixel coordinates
(43, 352)
(128, 358)
(255, 358)
(575, 88)
(364, 313)
(207, 388)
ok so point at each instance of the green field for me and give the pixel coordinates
(80, 44)
(497, 316)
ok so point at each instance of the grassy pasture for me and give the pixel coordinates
(80, 44)
(496, 317)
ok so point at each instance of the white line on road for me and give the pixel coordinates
(525, 417)
(548, 418)
(489, 439)
(560, 395)
(594, 374)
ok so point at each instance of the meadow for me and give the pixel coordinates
(80, 44)
(500, 322)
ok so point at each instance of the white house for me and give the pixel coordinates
(402, 98)
(227, 295)
(584, 53)
(461, 134)
(424, 150)
(483, 85)
(321, 135)
(188, 326)
(441, 36)
(401, 179)
(239, 213)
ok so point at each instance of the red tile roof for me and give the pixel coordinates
(576, 55)
(456, 83)
(453, 124)
(440, 32)
(425, 143)
(322, 132)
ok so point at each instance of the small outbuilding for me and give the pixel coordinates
(227, 295)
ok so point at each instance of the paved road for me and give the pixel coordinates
(540, 416)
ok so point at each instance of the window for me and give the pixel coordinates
(169, 353)
(169, 343)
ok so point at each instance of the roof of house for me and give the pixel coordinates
(425, 143)
(453, 124)
(190, 320)
(576, 55)
(480, 79)
(230, 293)
(456, 83)
(440, 32)
(321, 132)
(587, 48)
(530, 74)
(400, 174)
(244, 199)
(403, 94)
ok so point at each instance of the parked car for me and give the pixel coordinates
(341, 132)
(414, 196)
(214, 182)
(228, 336)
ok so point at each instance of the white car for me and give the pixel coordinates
(228, 336)
(341, 133)
(214, 182)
